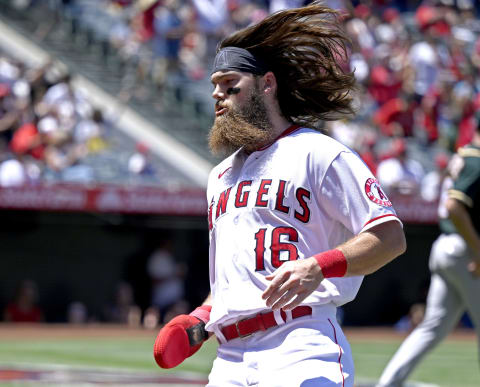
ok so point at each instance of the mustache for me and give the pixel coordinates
(219, 105)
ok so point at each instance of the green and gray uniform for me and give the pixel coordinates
(453, 289)
(467, 185)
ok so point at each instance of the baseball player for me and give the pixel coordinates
(296, 219)
(454, 265)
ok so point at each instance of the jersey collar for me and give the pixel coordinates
(285, 133)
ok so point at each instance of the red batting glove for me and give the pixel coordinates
(181, 337)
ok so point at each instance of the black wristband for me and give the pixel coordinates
(197, 334)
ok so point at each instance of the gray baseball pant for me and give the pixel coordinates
(453, 289)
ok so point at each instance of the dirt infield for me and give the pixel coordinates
(85, 377)
(62, 331)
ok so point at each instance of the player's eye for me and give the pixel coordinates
(230, 81)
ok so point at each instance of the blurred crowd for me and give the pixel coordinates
(418, 90)
(49, 131)
(46, 128)
(416, 64)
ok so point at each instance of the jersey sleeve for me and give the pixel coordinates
(350, 194)
(467, 185)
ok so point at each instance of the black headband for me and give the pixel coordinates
(238, 59)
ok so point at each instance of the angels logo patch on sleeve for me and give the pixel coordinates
(375, 193)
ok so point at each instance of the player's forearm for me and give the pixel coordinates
(459, 216)
(374, 248)
(294, 281)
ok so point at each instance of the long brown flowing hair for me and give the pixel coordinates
(304, 48)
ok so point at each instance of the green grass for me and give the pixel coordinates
(124, 353)
(451, 364)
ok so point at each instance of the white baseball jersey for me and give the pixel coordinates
(304, 194)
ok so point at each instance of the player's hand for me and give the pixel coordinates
(292, 283)
(181, 337)
(173, 343)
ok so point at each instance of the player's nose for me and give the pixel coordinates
(218, 94)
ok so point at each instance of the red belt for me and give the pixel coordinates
(260, 322)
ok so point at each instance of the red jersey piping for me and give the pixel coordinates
(340, 352)
(379, 217)
(285, 133)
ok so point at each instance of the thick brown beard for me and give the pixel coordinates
(247, 127)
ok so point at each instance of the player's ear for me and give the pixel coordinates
(269, 83)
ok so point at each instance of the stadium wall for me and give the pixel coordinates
(82, 256)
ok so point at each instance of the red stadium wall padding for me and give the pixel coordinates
(105, 198)
(154, 200)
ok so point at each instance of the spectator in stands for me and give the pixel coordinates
(28, 144)
(464, 105)
(60, 155)
(383, 84)
(12, 173)
(169, 29)
(139, 163)
(395, 118)
(61, 90)
(9, 113)
(213, 19)
(400, 174)
(356, 25)
(10, 70)
(366, 150)
(433, 180)
(121, 37)
(192, 55)
(430, 111)
(91, 131)
(423, 55)
(24, 308)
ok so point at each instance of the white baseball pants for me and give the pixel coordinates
(306, 352)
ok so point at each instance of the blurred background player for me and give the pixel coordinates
(454, 266)
(167, 277)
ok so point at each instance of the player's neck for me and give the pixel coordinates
(279, 125)
(277, 132)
